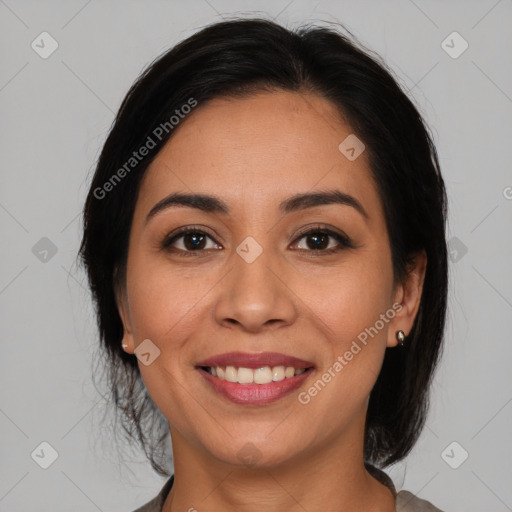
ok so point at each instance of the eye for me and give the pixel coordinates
(317, 240)
(190, 240)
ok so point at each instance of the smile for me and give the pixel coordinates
(254, 378)
(262, 392)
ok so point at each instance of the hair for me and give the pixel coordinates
(234, 59)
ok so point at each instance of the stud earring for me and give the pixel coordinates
(400, 336)
(125, 346)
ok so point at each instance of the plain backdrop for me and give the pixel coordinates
(55, 115)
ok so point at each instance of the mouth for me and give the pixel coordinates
(254, 379)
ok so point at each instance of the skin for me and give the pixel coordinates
(253, 153)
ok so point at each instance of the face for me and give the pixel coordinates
(259, 280)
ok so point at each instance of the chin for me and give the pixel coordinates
(263, 454)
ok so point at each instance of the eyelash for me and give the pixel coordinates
(343, 240)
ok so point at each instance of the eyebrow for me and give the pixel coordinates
(213, 204)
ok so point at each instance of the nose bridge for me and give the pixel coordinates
(253, 295)
(251, 267)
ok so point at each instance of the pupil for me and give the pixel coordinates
(316, 238)
(196, 237)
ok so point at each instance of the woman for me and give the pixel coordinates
(264, 240)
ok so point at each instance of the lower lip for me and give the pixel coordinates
(255, 394)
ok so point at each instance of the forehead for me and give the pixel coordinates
(259, 148)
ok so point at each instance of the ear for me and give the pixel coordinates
(124, 312)
(407, 298)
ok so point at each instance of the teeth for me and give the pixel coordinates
(277, 373)
(245, 376)
(231, 374)
(264, 375)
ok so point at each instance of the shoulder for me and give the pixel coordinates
(157, 503)
(407, 502)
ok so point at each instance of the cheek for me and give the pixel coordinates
(352, 303)
(162, 300)
(354, 350)
(351, 299)
(164, 308)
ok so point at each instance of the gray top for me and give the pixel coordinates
(405, 501)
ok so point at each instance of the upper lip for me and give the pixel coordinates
(248, 360)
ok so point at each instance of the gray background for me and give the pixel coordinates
(55, 115)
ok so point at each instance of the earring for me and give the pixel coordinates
(400, 336)
(125, 346)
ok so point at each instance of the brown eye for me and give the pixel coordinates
(192, 240)
(319, 240)
(189, 240)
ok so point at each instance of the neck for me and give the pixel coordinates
(329, 477)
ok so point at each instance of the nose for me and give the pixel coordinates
(255, 296)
